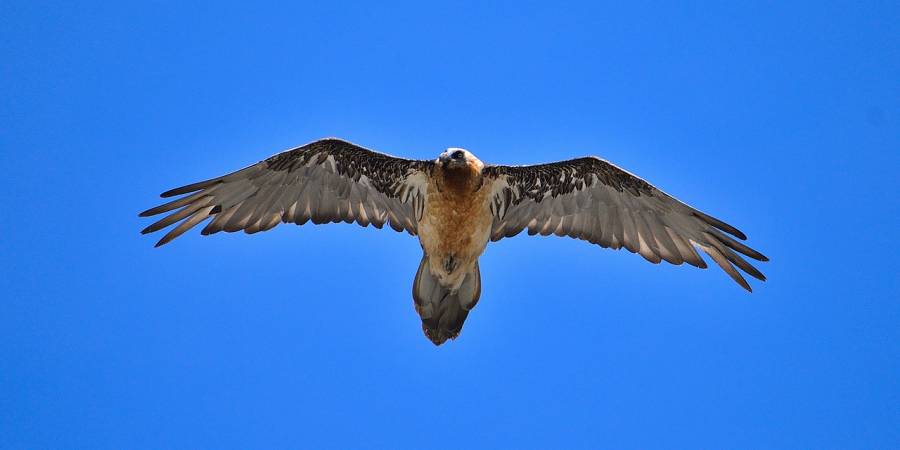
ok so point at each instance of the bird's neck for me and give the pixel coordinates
(459, 180)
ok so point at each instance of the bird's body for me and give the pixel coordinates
(454, 231)
(456, 224)
(456, 205)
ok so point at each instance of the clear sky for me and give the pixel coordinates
(782, 118)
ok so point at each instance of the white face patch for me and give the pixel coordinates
(447, 155)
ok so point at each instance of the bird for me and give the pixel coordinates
(456, 205)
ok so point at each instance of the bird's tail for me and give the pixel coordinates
(443, 310)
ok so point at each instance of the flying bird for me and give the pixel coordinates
(456, 204)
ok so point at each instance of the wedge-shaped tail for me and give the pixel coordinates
(443, 310)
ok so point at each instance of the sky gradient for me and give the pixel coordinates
(781, 118)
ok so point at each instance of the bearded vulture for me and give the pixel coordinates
(456, 204)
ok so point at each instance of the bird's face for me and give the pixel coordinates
(458, 158)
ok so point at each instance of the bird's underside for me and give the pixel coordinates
(456, 204)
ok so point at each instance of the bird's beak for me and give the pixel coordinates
(451, 163)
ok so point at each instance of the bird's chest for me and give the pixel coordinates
(456, 223)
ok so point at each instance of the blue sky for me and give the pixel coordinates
(782, 118)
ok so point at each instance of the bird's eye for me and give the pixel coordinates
(457, 154)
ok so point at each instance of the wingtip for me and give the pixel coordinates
(165, 240)
(721, 225)
(188, 188)
(742, 282)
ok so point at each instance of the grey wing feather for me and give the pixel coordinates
(593, 200)
(329, 180)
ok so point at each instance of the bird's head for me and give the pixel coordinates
(459, 158)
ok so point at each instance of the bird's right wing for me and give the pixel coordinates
(329, 180)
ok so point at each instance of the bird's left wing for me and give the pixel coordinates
(593, 200)
(329, 180)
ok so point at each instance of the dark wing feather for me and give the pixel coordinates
(593, 200)
(329, 180)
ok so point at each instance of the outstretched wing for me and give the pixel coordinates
(593, 200)
(329, 180)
